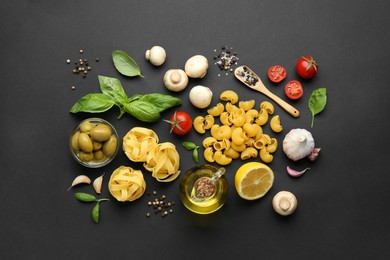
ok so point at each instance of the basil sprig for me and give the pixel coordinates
(86, 197)
(146, 108)
(192, 146)
(317, 102)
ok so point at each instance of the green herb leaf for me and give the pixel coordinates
(195, 154)
(317, 102)
(112, 87)
(161, 101)
(143, 111)
(189, 145)
(95, 213)
(125, 64)
(85, 197)
(93, 103)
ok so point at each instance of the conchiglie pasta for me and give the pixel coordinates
(222, 145)
(209, 154)
(230, 107)
(275, 124)
(216, 110)
(237, 117)
(237, 136)
(251, 129)
(251, 115)
(224, 118)
(208, 122)
(262, 119)
(265, 156)
(232, 153)
(248, 153)
(199, 124)
(267, 106)
(221, 132)
(246, 105)
(230, 96)
(272, 146)
(221, 158)
(209, 141)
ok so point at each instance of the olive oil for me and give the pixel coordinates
(203, 189)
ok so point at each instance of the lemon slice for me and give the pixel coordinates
(253, 180)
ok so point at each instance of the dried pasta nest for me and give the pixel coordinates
(163, 161)
(141, 145)
(126, 184)
(138, 142)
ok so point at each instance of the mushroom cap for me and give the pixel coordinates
(156, 55)
(175, 80)
(284, 203)
(200, 96)
(196, 66)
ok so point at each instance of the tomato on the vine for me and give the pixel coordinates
(277, 73)
(181, 123)
(293, 89)
(306, 67)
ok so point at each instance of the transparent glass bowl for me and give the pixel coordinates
(94, 142)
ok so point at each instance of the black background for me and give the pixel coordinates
(343, 199)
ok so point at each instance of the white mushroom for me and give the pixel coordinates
(200, 96)
(156, 55)
(298, 144)
(284, 203)
(175, 80)
(196, 66)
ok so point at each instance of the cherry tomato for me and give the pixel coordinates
(293, 89)
(306, 67)
(277, 73)
(181, 123)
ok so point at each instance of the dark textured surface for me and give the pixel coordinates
(343, 199)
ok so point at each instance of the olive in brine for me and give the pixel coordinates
(97, 145)
(110, 146)
(86, 127)
(85, 157)
(75, 141)
(99, 156)
(85, 143)
(101, 133)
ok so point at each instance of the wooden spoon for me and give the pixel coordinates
(250, 79)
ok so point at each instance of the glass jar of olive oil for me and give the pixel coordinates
(203, 189)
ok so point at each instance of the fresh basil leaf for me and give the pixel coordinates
(93, 103)
(161, 101)
(189, 145)
(125, 64)
(84, 197)
(95, 213)
(195, 155)
(112, 87)
(143, 111)
(134, 97)
(317, 102)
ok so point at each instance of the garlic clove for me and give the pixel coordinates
(314, 154)
(294, 173)
(80, 179)
(97, 184)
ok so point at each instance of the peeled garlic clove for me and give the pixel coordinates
(80, 179)
(97, 184)
(294, 173)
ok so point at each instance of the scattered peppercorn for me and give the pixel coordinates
(226, 59)
(81, 51)
(160, 205)
(68, 61)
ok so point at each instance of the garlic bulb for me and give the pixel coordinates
(298, 144)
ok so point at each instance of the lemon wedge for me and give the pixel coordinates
(253, 180)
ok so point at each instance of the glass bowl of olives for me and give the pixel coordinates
(94, 142)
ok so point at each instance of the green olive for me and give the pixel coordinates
(109, 147)
(85, 143)
(99, 155)
(97, 145)
(101, 133)
(86, 127)
(75, 141)
(85, 157)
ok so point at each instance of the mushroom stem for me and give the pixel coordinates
(284, 204)
(175, 77)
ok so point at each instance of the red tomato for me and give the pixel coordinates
(306, 67)
(181, 123)
(293, 89)
(277, 73)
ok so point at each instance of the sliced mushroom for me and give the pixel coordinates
(175, 80)
(284, 203)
